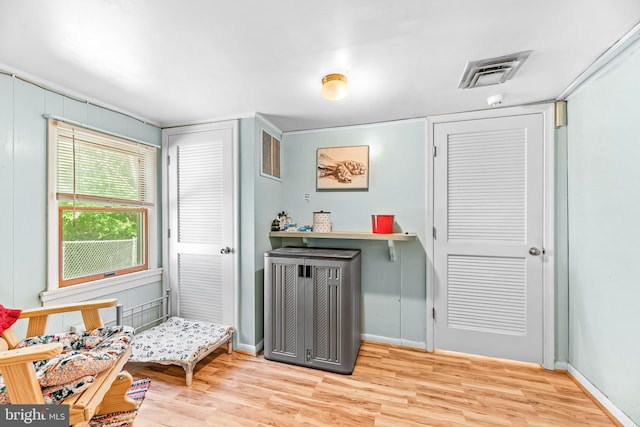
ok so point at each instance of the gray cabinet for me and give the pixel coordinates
(312, 307)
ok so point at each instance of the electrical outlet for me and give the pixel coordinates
(307, 197)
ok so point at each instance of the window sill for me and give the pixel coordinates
(99, 288)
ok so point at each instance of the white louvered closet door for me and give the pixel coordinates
(201, 220)
(488, 216)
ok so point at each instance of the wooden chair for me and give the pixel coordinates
(107, 394)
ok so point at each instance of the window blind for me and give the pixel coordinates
(93, 167)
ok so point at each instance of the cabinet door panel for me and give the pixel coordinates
(284, 314)
(324, 326)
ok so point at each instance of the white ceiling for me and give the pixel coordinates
(180, 62)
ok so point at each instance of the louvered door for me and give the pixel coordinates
(488, 217)
(201, 221)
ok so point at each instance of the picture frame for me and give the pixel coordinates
(342, 168)
(270, 165)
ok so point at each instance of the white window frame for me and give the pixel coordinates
(97, 288)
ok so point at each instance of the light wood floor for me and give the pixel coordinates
(390, 386)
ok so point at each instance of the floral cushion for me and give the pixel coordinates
(58, 393)
(67, 367)
(85, 353)
(115, 338)
(54, 394)
(179, 341)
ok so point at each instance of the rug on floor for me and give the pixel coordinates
(136, 392)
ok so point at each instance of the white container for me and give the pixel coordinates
(322, 222)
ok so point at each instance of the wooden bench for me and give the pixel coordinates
(107, 394)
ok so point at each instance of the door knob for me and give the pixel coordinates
(534, 251)
(226, 250)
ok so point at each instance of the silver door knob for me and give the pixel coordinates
(226, 250)
(534, 251)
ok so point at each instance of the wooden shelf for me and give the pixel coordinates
(360, 235)
(354, 235)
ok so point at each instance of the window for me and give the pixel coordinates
(104, 188)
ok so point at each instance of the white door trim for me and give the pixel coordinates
(548, 287)
(166, 133)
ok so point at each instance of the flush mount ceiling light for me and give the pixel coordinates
(334, 86)
(492, 71)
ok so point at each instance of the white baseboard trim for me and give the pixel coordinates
(600, 397)
(251, 349)
(256, 349)
(383, 340)
(561, 366)
(414, 344)
(393, 341)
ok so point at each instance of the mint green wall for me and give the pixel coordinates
(561, 249)
(23, 179)
(24, 164)
(268, 202)
(7, 288)
(246, 328)
(604, 233)
(393, 293)
(260, 201)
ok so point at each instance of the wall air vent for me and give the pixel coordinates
(492, 71)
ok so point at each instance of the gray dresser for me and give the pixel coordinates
(312, 307)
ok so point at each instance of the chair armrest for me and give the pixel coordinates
(65, 308)
(19, 374)
(29, 354)
(89, 309)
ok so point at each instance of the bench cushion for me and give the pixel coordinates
(84, 355)
(112, 338)
(54, 394)
(70, 366)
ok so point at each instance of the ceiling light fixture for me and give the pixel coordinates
(334, 86)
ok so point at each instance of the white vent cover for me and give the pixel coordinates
(492, 71)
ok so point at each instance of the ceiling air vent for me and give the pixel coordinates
(492, 71)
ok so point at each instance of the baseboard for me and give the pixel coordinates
(393, 341)
(561, 366)
(414, 344)
(612, 411)
(250, 349)
(383, 340)
(257, 349)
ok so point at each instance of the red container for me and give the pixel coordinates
(382, 224)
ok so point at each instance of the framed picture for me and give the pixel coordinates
(270, 156)
(343, 168)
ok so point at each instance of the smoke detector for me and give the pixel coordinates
(495, 100)
(492, 71)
